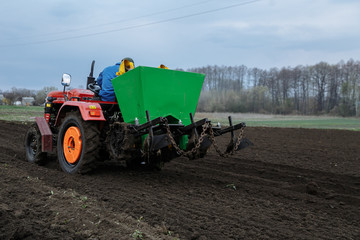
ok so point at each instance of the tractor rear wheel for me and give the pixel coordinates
(78, 145)
(33, 146)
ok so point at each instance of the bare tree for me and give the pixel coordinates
(321, 88)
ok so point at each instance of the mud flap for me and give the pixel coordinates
(46, 134)
(159, 142)
(205, 145)
(244, 143)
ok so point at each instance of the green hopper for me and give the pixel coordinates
(163, 92)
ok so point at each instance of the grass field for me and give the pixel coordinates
(21, 113)
(289, 121)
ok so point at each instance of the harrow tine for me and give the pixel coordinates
(231, 124)
(195, 131)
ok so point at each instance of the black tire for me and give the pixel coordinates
(90, 144)
(32, 145)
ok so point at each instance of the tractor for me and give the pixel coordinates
(150, 123)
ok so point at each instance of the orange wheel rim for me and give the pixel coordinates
(72, 144)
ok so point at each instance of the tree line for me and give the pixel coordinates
(310, 90)
(16, 94)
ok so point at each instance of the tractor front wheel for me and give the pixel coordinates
(78, 144)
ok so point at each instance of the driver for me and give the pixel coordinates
(104, 80)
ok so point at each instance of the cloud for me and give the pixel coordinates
(298, 20)
(263, 34)
(236, 25)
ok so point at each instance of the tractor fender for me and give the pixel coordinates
(89, 111)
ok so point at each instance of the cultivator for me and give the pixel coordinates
(151, 123)
(161, 136)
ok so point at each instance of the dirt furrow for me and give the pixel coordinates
(294, 183)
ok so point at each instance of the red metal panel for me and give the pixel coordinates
(46, 134)
(85, 108)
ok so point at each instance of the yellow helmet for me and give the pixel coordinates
(126, 65)
(163, 66)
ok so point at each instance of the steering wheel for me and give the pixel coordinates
(94, 88)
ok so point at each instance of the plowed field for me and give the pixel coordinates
(292, 184)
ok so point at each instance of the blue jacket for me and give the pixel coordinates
(104, 81)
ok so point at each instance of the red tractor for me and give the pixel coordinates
(150, 123)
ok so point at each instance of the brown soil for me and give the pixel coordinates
(293, 184)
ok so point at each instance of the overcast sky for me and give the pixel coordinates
(41, 39)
